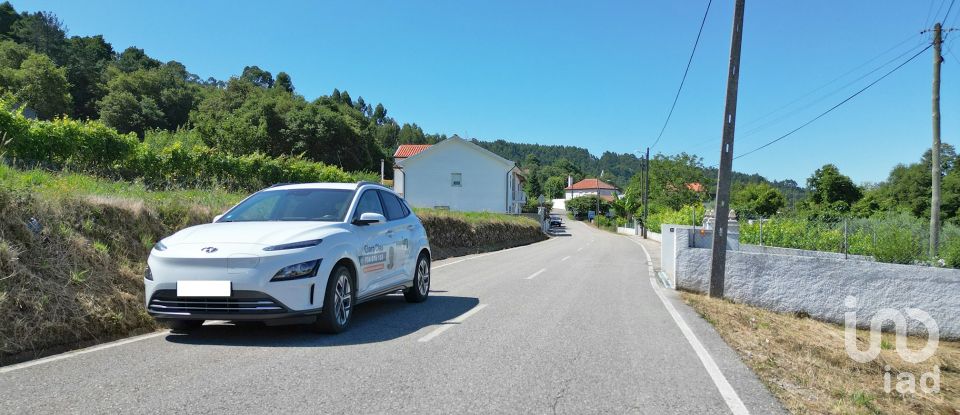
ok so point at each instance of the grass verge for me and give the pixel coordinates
(73, 250)
(803, 362)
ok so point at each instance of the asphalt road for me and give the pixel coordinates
(570, 325)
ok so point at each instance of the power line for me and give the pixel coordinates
(757, 129)
(844, 75)
(685, 71)
(926, 21)
(945, 16)
(835, 106)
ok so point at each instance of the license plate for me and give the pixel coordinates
(203, 288)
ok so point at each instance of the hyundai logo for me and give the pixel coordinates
(209, 249)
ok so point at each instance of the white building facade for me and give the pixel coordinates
(456, 174)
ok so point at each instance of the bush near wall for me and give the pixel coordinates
(895, 237)
(92, 147)
(462, 233)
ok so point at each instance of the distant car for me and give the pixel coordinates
(555, 221)
(292, 253)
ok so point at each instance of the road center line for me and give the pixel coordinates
(565, 258)
(75, 353)
(726, 390)
(535, 274)
(446, 325)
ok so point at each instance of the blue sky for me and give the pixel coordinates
(600, 75)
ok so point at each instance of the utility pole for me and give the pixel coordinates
(935, 150)
(646, 190)
(718, 262)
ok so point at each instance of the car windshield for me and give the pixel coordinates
(327, 205)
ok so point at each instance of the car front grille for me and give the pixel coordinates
(242, 302)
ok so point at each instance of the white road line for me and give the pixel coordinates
(75, 353)
(486, 254)
(729, 394)
(535, 274)
(446, 325)
(579, 249)
(565, 258)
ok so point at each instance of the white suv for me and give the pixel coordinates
(291, 254)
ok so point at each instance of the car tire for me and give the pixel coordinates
(184, 326)
(420, 290)
(338, 302)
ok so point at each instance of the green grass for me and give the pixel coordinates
(475, 217)
(64, 183)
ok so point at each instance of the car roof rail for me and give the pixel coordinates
(278, 184)
(364, 182)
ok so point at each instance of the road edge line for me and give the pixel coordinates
(446, 325)
(75, 353)
(729, 394)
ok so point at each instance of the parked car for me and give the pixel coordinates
(555, 221)
(291, 254)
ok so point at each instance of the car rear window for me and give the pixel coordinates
(393, 205)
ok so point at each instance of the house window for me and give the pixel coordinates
(456, 179)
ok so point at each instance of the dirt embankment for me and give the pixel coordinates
(71, 269)
(71, 266)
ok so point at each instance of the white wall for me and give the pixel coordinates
(818, 285)
(484, 179)
(398, 181)
(570, 194)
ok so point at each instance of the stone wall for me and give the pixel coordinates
(819, 286)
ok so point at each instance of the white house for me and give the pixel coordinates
(591, 187)
(458, 175)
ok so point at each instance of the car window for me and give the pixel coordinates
(369, 203)
(393, 205)
(328, 205)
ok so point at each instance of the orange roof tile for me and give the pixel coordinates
(588, 184)
(410, 150)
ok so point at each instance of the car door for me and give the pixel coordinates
(374, 242)
(399, 263)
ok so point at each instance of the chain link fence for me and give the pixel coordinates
(895, 238)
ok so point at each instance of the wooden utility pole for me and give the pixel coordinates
(646, 190)
(935, 150)
(719, 259)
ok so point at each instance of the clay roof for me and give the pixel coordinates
(409, 150)
(588, 184)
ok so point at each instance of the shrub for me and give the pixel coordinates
(163, 161)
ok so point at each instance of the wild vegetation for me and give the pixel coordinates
(804, 364)
(73, 249)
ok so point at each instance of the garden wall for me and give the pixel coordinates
(819, 285)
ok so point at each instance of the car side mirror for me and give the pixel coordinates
(216, 218)
(369, 218)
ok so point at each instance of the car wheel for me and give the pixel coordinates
(338, 302)
(421, 281)
(184, 326)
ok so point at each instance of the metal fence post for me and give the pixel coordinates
(761, 230)
(845, 238)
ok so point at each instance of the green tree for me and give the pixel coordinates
(831, 191)
(87, 60)
(257, 76)
(553, 187)
(8, 16)
(758, 199)
(43, 32)
(125, 112)
(133, 59)
(284, 82)
(43, 87)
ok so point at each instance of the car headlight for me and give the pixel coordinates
(148, 274)
(296, 271)
(159, 246)
(294, 245)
